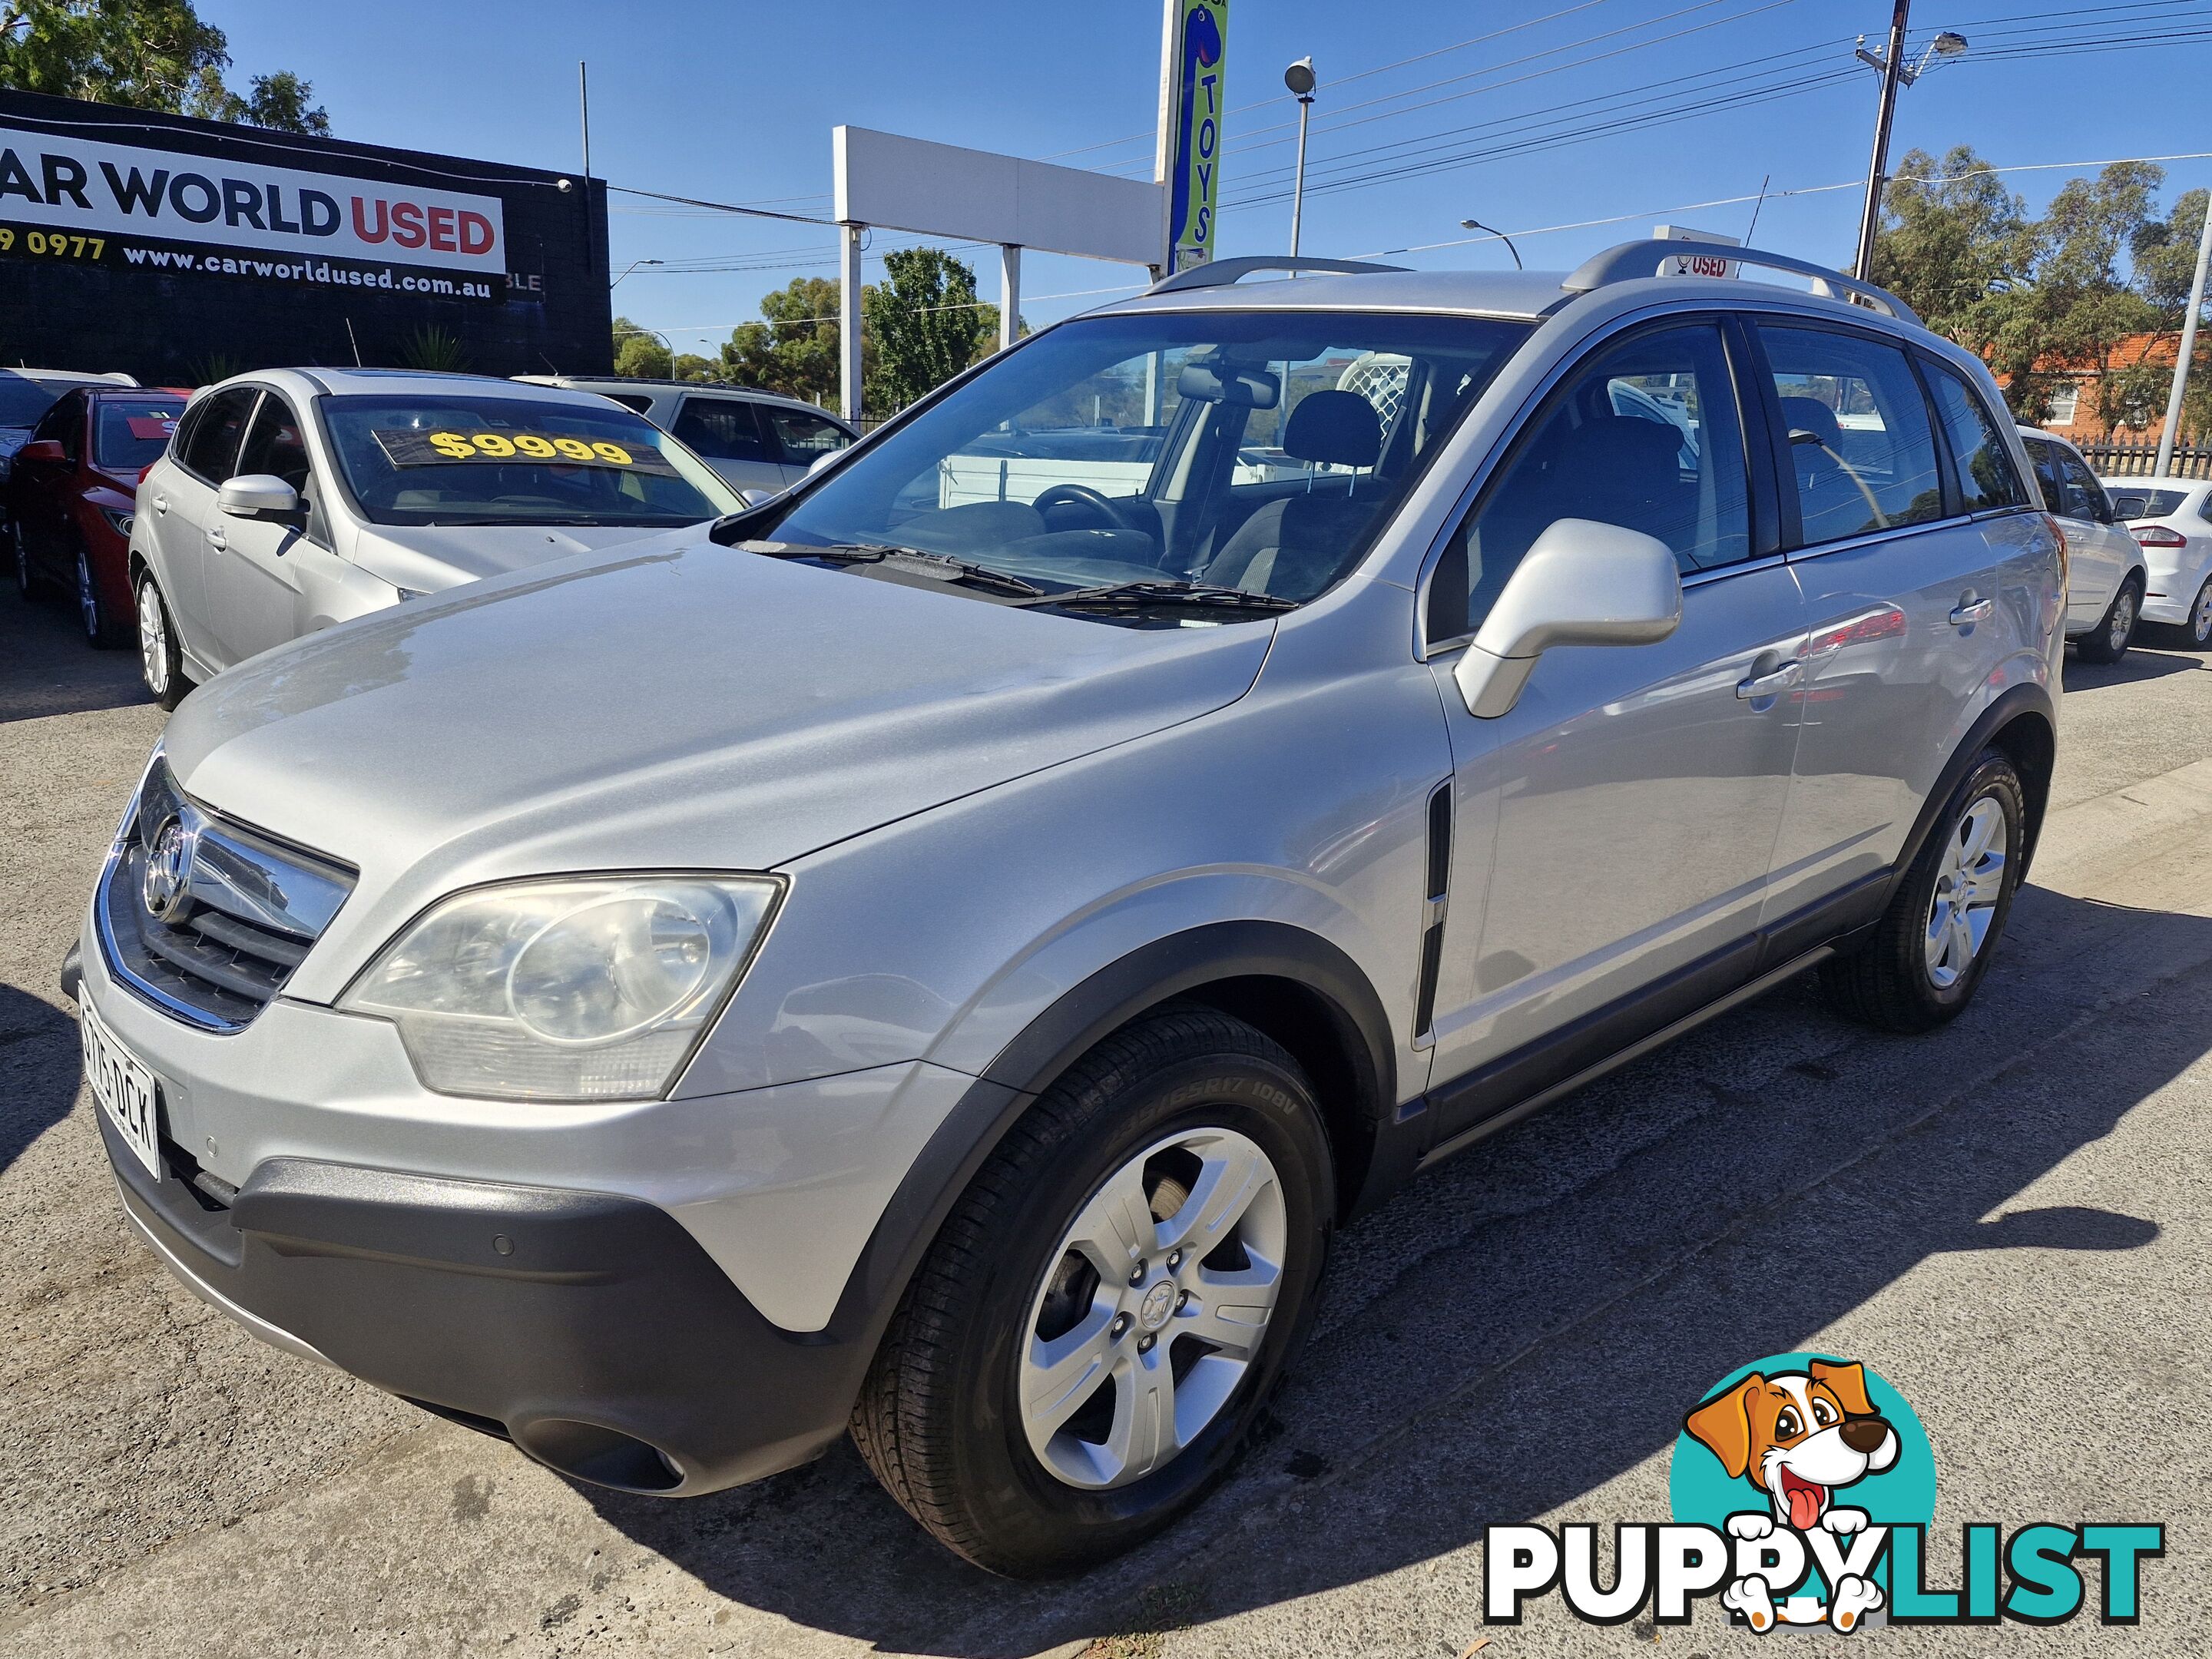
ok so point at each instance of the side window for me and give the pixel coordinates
(803, 436)
(1645, 434)
(2205, 507)
(1861, 451)
(273, 444)
(1986, 475)
(721, 429)
(2084, 496)
(71, 411)
(2044, 455)
(57, 420)
(211, 445)
(628, 400)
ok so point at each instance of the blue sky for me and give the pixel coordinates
(734, 101)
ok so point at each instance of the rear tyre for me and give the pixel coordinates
(160, 663)
(102, 631)
(28, 581)
(1094, 1334)
(2109, 640)
(1935, 942)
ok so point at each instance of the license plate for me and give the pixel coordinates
(124, 1090)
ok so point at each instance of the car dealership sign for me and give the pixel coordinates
(86, 187)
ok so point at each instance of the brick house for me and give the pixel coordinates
(2074, 411)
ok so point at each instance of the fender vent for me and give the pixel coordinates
(1432, 936)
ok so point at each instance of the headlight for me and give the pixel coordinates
(579, 989)
(122, 521)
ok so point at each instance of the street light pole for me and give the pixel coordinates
(1477, 224)
(1870, 216)
(2188, 344)
(1299, 78)
(633, 266)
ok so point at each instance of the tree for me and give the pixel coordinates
(689, 366)
(148, 54)
(795, 352)
(927, 323)
(639, 352)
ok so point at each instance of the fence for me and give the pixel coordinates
(2192, 459)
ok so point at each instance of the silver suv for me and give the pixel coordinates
(758, 441)
(941, 962)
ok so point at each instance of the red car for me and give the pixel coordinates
(70, 494)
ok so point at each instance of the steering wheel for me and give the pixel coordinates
(1116, 515)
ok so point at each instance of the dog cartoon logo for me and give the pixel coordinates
(1792, 1457)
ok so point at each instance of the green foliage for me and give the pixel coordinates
(434, 349)
(638, 352)
(689, 366)
(927, 324)
(794, 352)
(148, 54)
(2042, 300)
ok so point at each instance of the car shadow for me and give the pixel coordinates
(2142, 663)
(1732, 1196)
(47, 667)
(40, 1068)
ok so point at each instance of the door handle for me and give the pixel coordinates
(161, 503)
(215, 540)
(1770, 684)
(1971, 611)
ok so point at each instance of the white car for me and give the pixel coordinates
(2106, 575)
(758, 441)
(293, 498)
(2171, 519)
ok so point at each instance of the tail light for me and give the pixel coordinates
(2157, 535)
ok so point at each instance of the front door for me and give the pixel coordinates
(1618, 823)
(254, 574)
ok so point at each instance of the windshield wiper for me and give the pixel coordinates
(1136, 595)
(938, 567)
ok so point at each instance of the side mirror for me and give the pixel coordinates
(825, 459)
(1581, 583)
(257, 495)
(753, 498)
(42, 449)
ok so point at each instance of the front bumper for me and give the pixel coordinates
(590, 1329)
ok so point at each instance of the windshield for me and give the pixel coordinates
(1256, 451)
(467, 460)
(22, 401)
(2137, 503)
(131, 432)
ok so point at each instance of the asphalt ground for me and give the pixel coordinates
(2008, 1220)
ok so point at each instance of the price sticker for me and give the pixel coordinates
(413, 446)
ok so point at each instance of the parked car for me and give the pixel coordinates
(71, 495)
(291, 499)
(2171, 519)
(2106, 575)
(27, 393)
(946, 971)
(756, 440)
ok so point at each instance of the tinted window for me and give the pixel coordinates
(65, 424)
(803, 436)
(21, 401)
(1862, 452)
(721, 429)
(2132, 503)
(1987, 476)
(131, 432)
(2045, 454)
(2078, 487)
(475, 460)
(211, 441)
(273, 444)
(1645, 434)
(628, 400)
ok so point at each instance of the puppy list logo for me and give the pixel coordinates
(1802, 1487)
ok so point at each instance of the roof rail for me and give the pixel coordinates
(1220, 273)
(1631, 260)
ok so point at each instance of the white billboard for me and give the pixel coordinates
(85, 187)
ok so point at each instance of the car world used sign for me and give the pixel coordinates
(74, 197)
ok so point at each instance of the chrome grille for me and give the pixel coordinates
(226, 916)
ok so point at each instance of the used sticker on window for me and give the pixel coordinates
(411, 447)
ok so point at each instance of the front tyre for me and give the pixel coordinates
(1935, 942)
(1100, 1321)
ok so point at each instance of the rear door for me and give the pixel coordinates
(181, 493)
(802, 437)
(1635, 792)
(727, 434)
(1918, 566)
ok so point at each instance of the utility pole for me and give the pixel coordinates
(1891, 62)
(2188, 344)
(1299, 78)
(584, 112)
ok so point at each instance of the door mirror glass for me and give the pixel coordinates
(257, 495)
(1580, 583)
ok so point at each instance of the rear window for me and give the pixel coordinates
(2129, 503)
(448, 460)
(130, 433)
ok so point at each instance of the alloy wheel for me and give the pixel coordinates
(22, 561)
(87, 597)
(1967, 888)
(2123, 620)
(2200, 619)
(153, 639)
(1156, 1304)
